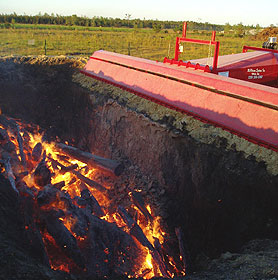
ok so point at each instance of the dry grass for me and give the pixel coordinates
(81, 41)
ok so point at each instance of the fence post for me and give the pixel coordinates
(128, 48)
(44, 47)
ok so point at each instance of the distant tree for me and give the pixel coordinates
(74, 20)
(239, 30)
(227, 28)
(13, 22)
(157, 27)
(102, 21)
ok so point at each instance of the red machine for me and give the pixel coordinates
(259, 66)
(249, 110)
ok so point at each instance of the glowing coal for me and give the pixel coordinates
(82, 231)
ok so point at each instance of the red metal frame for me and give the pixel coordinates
(248, 111)
(216, 45)
(187, 64)
(246, 48)
(249, 138)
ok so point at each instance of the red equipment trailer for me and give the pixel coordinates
(259, 66)
(249, 110)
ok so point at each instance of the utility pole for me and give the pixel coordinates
(128, 16)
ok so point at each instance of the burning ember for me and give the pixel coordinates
(67, 196)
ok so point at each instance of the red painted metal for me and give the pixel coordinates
(213, 35)
(259, 66)
(216, 45)
(262, 68)
(245, 109)
(187, 64)
(184, 29)
(246, 48)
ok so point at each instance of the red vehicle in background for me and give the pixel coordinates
(258, 66)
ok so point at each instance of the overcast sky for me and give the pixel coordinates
(263, 12)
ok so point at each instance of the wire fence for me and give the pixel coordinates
(149, 45)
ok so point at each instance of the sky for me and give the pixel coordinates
(248, 12)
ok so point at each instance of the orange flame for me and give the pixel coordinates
(152, 229)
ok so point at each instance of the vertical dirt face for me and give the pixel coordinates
(219, 197)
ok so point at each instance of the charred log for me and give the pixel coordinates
(90, 182)
(139, 202)
(136, 231)
(97, 261)
(157, 246)
(24, 190)
(69, 168)
(110, 165)
(20, 145)
(42, 174)
(81, 177)
(6, 143)
(7, 123)
(115, 248)
(37, 152)
(50, 194)
(87, 199)
(31, 231)
(47, 195)
(62, 236)
(9, 172)
(183, 248)
(59, 185)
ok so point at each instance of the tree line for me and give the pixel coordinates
(75, 20)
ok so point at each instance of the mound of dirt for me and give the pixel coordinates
(266, 33)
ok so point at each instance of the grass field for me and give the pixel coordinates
(83, 41)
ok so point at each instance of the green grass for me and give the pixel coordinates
(78, 40)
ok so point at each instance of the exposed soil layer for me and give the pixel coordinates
(222, 190)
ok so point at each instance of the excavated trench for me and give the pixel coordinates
(220, 189)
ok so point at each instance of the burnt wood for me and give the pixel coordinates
(50, 194)
(59, 185)
(81, 177)
(136, 231)
(47, 195)
(90, 201)
(69, 168)
(31, 230)
(113, 166)
(182, 248)
(42, 175)
(37, 152)
(6, 142)
(9, 173)
(90, 182)
(7, 123)
(23, 189)
(20, 145)
(139, 202)
(62, 236)
(115, 248)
